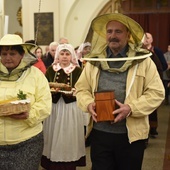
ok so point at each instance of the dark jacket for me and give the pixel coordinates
(161, 57)
(63, 78)
(48, 60)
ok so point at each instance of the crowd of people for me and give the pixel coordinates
(61, 86)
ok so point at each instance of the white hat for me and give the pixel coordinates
(13, 39)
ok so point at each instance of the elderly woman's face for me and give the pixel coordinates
(117, 36)
(64, 57)
(86, 50)
(10, 58)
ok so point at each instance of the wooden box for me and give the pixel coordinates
(105, 105)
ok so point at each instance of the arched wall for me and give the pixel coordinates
(79, 17)
(72, 18)
(32, 6)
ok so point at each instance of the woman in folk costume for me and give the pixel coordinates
(64, 147)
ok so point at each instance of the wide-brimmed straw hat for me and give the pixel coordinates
(99, 25)
(13, 39)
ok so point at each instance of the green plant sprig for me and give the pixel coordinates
(21, 95)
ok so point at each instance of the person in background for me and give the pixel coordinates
(118, 63)
(154, 57)
(21, 137)
(76, 48)
(64, 131)
(46, 53)
(39, 55)
(82, 50)
(32, 42)
(39, 64)
(63, 40)
(49, 59)
(153, 118)
(158, 52)
(166, 76)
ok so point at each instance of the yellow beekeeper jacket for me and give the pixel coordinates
(144, 93)
(34, 84)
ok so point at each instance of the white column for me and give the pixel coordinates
(1, 18)
(6, 21)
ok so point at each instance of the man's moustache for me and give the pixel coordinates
(114, 40)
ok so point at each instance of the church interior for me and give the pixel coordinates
(47, 20)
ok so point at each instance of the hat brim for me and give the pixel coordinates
(26, 46)
(23, 44)
(99, 25)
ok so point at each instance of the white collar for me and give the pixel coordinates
(67, 70)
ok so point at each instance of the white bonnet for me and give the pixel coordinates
(81, 47)
(68, 47)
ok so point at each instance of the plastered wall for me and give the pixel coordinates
(72, 18)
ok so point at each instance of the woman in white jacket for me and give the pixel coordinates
(21, 137)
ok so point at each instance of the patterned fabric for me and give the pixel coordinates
(23, 156)
(67, 70)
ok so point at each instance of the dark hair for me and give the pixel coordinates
(65, 50)
(38, 48)
(18, 48)
(76, 48)
(32, 42)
